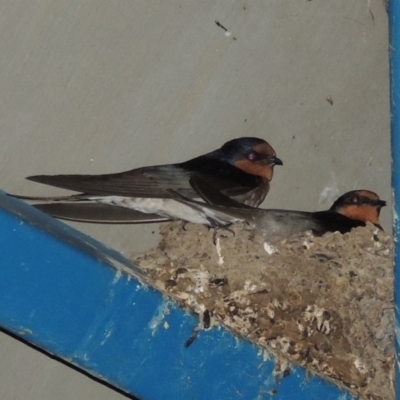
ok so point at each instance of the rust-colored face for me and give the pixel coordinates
(362, 205)
(260, 161)
(362, 213)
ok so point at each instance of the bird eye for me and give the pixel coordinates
(252, 156)
(355, 200)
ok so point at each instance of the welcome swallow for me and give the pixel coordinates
(242, 169)
(354, 208)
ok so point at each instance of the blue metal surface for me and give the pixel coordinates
(66, 293)
(394, 39)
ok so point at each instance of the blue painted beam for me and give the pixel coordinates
(70, 295)
(394, 39)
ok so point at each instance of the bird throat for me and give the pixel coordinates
(266, 171)
(365, 213)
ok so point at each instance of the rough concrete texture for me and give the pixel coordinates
(325, 303)
(100, 86)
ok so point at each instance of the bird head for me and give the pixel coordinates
(361, 205)
(252, 155)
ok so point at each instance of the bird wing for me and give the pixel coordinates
(284, 223)
(218, 215)
(211, 195)
(142, 182)
(278, 224)
(331, 221)
(155, 181)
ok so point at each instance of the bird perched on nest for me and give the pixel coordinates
(242, 169)
(350, 210)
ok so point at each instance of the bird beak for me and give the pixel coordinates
(274, 160)
(379, 204)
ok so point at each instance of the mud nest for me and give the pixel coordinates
(325, 303)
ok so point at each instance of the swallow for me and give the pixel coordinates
(242, 169)
(352, 209)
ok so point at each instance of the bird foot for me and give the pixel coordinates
(184, 223)
(218, 228)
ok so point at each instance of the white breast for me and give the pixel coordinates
(163, 207)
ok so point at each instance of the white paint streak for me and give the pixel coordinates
(108, 332)
(360, 366)
(24, 331)
(269, 248)
(142, 286)
(158, 317)
(117, 277)
(397, 331)
(202, 278)
(265, 354)
(220, 257)
(395, 217)
(343, 397)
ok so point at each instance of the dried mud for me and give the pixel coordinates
(325, 303)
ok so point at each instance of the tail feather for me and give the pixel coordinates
(98, 213)
(77, 197)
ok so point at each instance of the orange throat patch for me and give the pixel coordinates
(266, 171)
(366, 213)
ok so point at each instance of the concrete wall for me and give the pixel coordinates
(100, 86)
